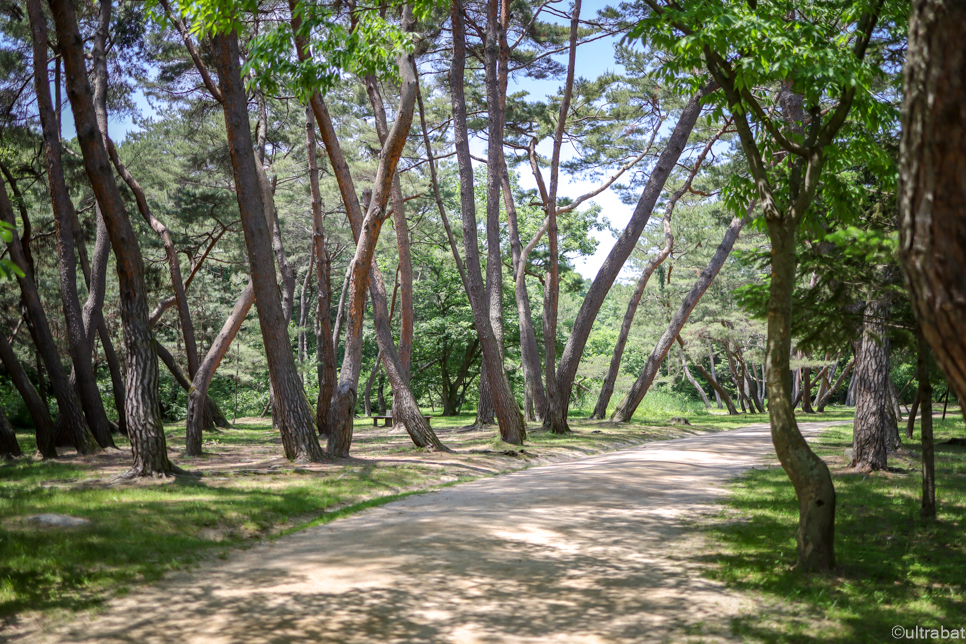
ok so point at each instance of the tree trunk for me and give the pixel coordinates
(304, 294)
(838, 383)
(365, 273)
(43, 425)
(808, 473)
(326, 343)
(529, 352)
(694, 383)
(80, 349)
(366, 231)
(932, 196)
(872, 417)
(9, 447)
(928, 509)
(142, 409)
(716, 386)
(609, 270)
(607, 388)
(556, 405)
(629, 405)
(401, 226)
(94, 318)
(295, 419)
(510, 418)
(751, 387)
(200, 406)
(807, 391)
(911, 423)
(367, 400)
(717, 393)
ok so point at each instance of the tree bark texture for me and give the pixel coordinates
(609, 270)
(292, 413)
(872, 417)
(142, 409)
(932, 196)
(629, 405)
(509, 416)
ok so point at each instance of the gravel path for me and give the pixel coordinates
(584, 552)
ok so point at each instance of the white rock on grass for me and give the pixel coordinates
(57, 520)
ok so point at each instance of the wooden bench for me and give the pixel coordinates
(388, 420)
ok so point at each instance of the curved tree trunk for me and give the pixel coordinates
(43, 425)
(932, 197)
(808, 473)
(629, 405)
(200, 406)
(872, 415)
(911, 421)
(694, 383)
(609, 270)
(142, 409)
(835, 387)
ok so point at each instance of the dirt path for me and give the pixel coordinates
(583, 552)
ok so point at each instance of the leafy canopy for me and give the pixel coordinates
(364, 44)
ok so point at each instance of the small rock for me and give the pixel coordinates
(57, 520)
(677, 420)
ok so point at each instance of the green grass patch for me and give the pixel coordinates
(137, 532)
(894, 569)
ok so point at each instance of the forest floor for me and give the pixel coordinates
(603, 549)
(247, 491)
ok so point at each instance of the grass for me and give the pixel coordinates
(139, 531)
(895, 569)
